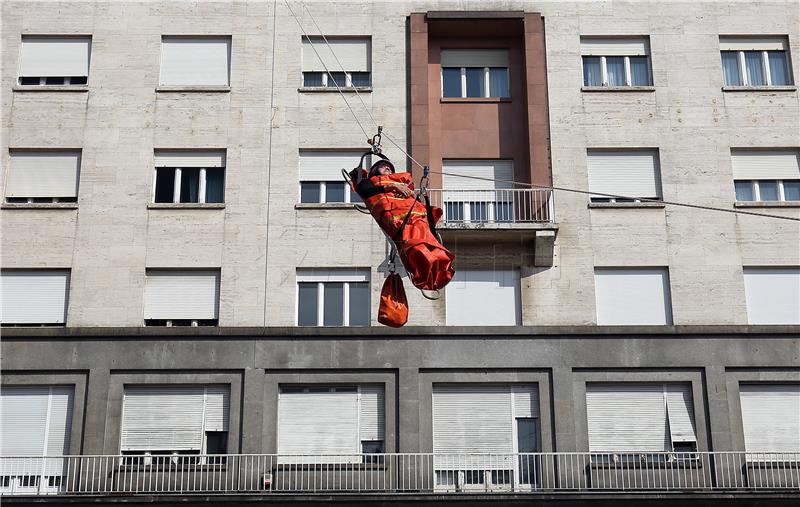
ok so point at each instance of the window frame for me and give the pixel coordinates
(12, 152)
(765, 69)
(323, 189)
(348, 74)
(487, 93)
(66, 80)
(201, 185)
(628, 74)
(756, 190)
(320, 277)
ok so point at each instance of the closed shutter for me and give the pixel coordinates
(752, 43)
(181, 295)
(483, 188)
(632, 296)
(43, 174)
(771, 417)
(51, 57)
(326, 165)
(624, 173)
(34, 296)
(195, 61)
(353, 54)
(483, 298)
(182, 158)
(773, 295)
(765, 165)
(526, 400)
(680, 411)
(318, 423)
(474, 58)
(371, 413)
(614, 47)
(626, 417)
(217, 408)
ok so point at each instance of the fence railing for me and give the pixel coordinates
(399, 473)
(499, 206)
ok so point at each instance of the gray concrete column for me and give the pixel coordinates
(725, 468)
(408, 412)
(564, 432)
(253, 384)
(94, 428)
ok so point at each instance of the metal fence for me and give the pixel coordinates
(494, 206)
(399, 473)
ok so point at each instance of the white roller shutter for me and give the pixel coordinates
(614, 47)
(680, 411)
(771, 417)
(181, 295)
(632, 173)
(469, 189)
(183, 158)
(626, 417)
(483, 298)
(353, 54)
(34, 296)
(43, 174)
(53, 57)
(752, 44)
(371, 413)
(332, 275)
(632, 296)
(318, 423)
(765, 165)
(217, 408)
(773, 295)
(474, 58)
(526, 400)
(326, 165)
(195, 61)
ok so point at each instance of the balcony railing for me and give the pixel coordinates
(400, 473)
(519, 206)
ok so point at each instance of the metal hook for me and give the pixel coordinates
(375, 142)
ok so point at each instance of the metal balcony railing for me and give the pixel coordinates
(516, 206)
(400, 473)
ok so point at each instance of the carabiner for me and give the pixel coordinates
(375, 142)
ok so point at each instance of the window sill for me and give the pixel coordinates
(39, 205)
(325, 205)
(766, 204)
(328, 89)
(51, 88)
(626, 205)
(789, 88)
(186, 205)
(618, 88)
(474, 100)
(193, 89)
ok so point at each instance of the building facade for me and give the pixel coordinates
(190, 297)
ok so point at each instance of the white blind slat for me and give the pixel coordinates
(765, 165)
(773, 295)
(332, 275)
(526, 400)
(195, 61)
(53, 57)
(626, 418)
(680, 411)
(181, 295)
(43, 174)
(625, 173)
(371, 413)
(182, 158)
(34, 297)
(354, 55)
(491, 169)
(326, 165)
(162, 418)
(474, 58)
(614, 47)
(218, 407)
(627, 296)
(483, 298)
(771, 417)
(752, 44)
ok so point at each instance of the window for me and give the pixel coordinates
(181, 298)
(483, 298)
(43, 176)
(630, 174)
(636, 418)
(34, 296)
(352, 55)
(770, 418)
(748, 61)
(320, 176)
(34, 421)
(766, 175)
(195, 61)
(337, 422)
(48, 61)
(185, 419)
(475, 73)
(632, 296)
(484, 419)
(333, 297)
(773, 295)
(189, 176)
(615, 62)
(478, 200)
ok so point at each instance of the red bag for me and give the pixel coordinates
(393, 309)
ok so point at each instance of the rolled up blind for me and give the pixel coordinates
(680, 411)
(629, 296)
(195, 61)
(458, 188)
(752, 43)
(771, 417)
(181, 294)
(54, 57)
(624, 173)
(626, 417)
(43, 174)
(474, 58)
(371, 412)
(526, 400)
(34, 296)
(194, 158)
(483, 298)
(353, 54)
(765, 164)
(772, 295)
(614, 47)
(326, 165)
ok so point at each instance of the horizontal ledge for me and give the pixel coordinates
(39, 205)
(186, 205)
(473, 100)
(789, 88)
(326, 89)
(626, 205)
(766, 204)
(475, 14)
(618, 88)
(193, 89)
(325, 205)
(52, 88)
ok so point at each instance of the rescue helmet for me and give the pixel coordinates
(373, 171)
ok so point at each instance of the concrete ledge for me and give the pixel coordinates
(326, 89)
(325, 205)
(618, 88)
(51, 88)
(186, 205)
(39, 205)
(789, 88)
(193, 89)
(627, 205)
(766, 204)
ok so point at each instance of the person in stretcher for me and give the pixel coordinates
(392, 201)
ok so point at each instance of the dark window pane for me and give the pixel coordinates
(309, 191)
(338, 78)
(190, 185)
(755, 71)
(334, 191)
(78, 80)
(778, 68)
(333, 305)
(54, 80)
(791, 190)
(354, 197)
(216, 442)
(527, 442)
(360, 78)
(498, 82)
(768, 190)
(312, 78)
(503, 212)
(478, 211)
(592, 76)
(307, 304)
(215, 185)
(454, 211)
(165, 184)
(730, 68)
(640, 74)
(29, 80)
(359, 304)
(744, 190)
(615, 67)
(475, 82)
(451, 82)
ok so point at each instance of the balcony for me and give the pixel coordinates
(421, 473)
